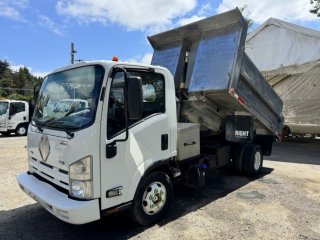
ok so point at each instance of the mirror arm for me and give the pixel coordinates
(118, 69)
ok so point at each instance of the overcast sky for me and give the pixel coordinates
(38, 33)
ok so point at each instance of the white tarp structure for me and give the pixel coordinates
(288, 55)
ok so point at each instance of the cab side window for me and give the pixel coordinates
(16, 108)
(153, 100)
(116, 117)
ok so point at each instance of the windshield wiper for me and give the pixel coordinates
(38, 124)
(70, 134)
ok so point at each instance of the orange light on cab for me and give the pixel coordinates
(232, 91)
(115, 59)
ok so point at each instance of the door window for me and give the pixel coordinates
(153, 100)
(16, 108)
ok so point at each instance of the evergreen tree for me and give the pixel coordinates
(27, 74)
(6, 81)
(21, 79)
(316, 7)
(4, 66)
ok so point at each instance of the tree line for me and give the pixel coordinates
(16, 85)
(315, 7)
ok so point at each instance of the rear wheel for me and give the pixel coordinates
(237, 158)
(21, 130)
(153, 199)
(252, 160)
(285, 131)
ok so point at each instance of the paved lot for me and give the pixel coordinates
(282, 203)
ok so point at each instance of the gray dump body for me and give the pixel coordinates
(218, 66)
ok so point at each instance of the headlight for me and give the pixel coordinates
(81, 189)
(80, 175)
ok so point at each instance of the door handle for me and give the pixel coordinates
(193, 143)
(164, 142)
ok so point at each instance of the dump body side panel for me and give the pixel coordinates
(215, 59)
(262, 101)
(221, 79)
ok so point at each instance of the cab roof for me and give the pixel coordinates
(106, 64)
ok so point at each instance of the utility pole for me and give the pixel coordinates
(72, 53)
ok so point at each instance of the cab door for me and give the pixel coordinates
(146, 143)
(18, 113)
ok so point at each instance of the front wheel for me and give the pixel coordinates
(21, 131)
(153, 199)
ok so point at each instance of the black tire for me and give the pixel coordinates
(249, 167)
(21, 130)
(237, 158)
(286, 131)
(6, 133)
(137, 212)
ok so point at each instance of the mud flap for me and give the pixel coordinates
(239, 129)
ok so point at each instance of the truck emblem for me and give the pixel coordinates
(242, 133)
(44, 147)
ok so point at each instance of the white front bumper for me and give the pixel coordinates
(3, 129)
(58, 203)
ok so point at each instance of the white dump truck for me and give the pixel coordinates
(200, 105)
(14, 117)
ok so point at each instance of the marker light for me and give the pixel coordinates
(115, 59)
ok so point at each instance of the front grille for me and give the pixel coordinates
(53, 174)
(64, 190)
(63, 171)
(64, 183)
(48, 175)
(47, 165)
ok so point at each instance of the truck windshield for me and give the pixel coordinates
(3, 107)
(69, 98)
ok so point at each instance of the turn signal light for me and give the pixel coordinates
(114, 192)
(113, 211)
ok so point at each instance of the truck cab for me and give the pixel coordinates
(77, 175)
(14, 117)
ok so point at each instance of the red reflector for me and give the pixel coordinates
(241, 100)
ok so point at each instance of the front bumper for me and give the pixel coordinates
(58, 203)
(3, 129)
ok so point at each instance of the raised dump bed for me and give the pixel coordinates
(220, 79)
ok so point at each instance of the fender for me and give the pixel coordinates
(26, 124)
(137, 178)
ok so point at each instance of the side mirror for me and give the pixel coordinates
(111, 151)
(135, 97)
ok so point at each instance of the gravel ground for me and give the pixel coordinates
(282, 203)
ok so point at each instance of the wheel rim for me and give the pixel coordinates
(257, 160)
(21, 130)
(154, 198)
